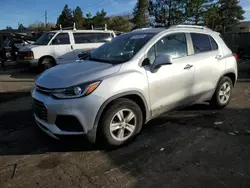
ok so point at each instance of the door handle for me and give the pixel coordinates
(187, 67)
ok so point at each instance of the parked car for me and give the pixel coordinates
(63, 46)
(132, 79)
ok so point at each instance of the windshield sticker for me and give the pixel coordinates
(138, 37)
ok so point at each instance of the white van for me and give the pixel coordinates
(63, 46)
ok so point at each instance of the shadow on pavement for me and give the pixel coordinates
(190, 148)
(7, 96)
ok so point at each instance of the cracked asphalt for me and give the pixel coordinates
(196, 147)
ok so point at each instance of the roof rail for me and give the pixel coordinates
(100, 28)
(68, 28)
(190, 26)
(139, 29)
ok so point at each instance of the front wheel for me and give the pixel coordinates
(46, 63)
(223, 93)
(121, 122)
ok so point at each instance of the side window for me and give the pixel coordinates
(174, 45)
(213, 43)
(102, 37)
(61, 39)
(151, 55)
(81, 38)
(201, 43)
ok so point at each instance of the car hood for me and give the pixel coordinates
(27, 47)
(79, 72)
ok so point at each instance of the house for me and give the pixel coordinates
(242, 27)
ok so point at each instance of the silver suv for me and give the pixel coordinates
(132, 79)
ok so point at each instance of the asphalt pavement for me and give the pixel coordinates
(194, 147)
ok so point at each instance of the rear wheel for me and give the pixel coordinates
(46, 63)
(223, 93)
(121, 122)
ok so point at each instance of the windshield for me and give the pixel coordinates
(45, 38)
(121, 49)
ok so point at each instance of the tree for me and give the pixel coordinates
(196, 10)
(78, 17)
(100, 18)
(168, 12)
(40, 26)
(212, 17)
(9, 28)
(21, 28)
(141, 14)
(120, 23)
(230, 13)
(66, 18)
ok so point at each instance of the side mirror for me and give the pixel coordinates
(160, 61)
(84, 55)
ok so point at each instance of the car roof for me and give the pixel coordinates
(179, 28)
(84, 31)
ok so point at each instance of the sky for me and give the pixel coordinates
(27, 12)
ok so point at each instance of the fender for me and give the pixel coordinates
(91, 135)
(229, 72)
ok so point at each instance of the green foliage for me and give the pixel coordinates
(120, 23)
(230, 13)
(66, 18)
(168, 12)
(8, 27)
(196, 10)
(78, 17)
(21, 28)
(212, 18)
(40, 26)
(140, 13)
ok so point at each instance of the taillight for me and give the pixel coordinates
(235, 56)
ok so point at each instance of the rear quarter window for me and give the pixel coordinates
(213, 43)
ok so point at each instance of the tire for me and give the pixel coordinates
(222, 95)
(46, 63)
(111, 115)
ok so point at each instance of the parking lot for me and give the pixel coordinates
(194, 147)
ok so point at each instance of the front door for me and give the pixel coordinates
(171, 86)
(62, 49)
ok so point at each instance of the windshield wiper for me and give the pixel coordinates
(99, 60)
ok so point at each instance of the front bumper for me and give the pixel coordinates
(32, 63)
(84, 109)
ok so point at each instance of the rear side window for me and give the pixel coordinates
(213, 43)
(201, 43)
(81, 38)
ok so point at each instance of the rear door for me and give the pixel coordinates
(88, 41)
(61, 48)
(208, 64)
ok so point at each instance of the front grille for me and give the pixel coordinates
(40, 110)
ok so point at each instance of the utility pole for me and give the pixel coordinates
(46, 18)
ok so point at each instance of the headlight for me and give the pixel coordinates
(75, 91)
